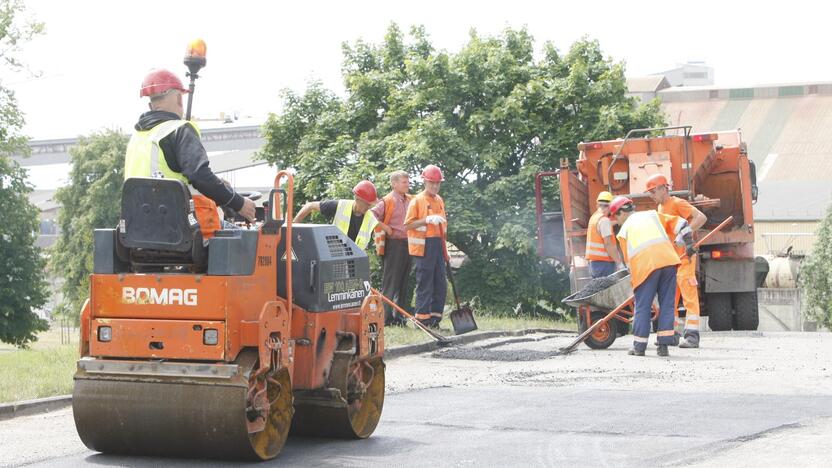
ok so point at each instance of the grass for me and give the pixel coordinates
(46, 368)
(397, 336)
(43, 370)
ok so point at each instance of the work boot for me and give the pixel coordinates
(635, 352)
(686, 343)
(662, 351)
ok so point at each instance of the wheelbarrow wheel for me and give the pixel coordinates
(604, 335)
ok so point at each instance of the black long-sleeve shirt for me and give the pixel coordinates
(185, 154)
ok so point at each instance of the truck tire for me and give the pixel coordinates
(719, 311)
(747, 315)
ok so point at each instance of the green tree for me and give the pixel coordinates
(816, 275)
(91, 200)
(22, 283)
(490, 115)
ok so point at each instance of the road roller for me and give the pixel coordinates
(220, 347)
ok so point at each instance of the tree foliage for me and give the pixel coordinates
(22, 283)
(490, 115)
(91, 200)
(816, 275)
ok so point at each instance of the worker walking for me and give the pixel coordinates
(391, 245)
(352, 217)
(601, 248)
(426, 224)
(645, 240)
(164, 145)
(658, 189)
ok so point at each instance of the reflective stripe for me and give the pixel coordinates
(640, 339)
(595, 244)
(416, 240)
(422, 229)
(633, 251)
(595, 248)
(665, 333)
(422, 316)
(436, 314)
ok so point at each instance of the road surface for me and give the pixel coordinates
(744, 399)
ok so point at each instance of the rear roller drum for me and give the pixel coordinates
(350, 408)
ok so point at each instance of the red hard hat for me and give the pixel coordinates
(432, 173)
(160, 80)
(366, 191)
(617, 203)
(655, 180)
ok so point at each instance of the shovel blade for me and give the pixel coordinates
(463, 320)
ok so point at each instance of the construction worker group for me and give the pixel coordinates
(657, 248)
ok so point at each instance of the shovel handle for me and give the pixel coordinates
(420, 325)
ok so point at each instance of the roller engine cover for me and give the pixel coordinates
(329, 271)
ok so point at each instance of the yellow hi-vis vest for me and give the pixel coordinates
(342, 222)
(144, 156)
(646, 243)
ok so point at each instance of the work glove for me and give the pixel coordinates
(434, 219)
(690, 249)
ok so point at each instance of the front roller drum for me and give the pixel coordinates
(350, 408)
(162, 415)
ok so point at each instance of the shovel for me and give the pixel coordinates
(436, 336)
(462, 318)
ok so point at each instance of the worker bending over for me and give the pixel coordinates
(426, 225)
(352, 217)
(645, 240)
(601, 249)
(164, 145)
(391, 245)
(659, 191)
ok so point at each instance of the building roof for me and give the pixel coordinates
(788, 130)
(790, 201)
(646, 84)
(43, 199)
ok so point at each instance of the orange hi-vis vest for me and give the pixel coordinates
(595, 249)
(379, 236)
(420, 207)
(645, 240)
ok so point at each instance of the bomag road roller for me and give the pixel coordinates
(219, 349)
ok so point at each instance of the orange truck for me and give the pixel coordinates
(711, 170)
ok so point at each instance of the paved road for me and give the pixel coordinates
(748, 400)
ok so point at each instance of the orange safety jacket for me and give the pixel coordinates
(595, 249)
(676, 206)
(420, 207)
(380, 237)
(646, 240)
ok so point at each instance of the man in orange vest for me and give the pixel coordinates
(601, 250)
(426, 224)
(646, 239)
(391, 245)
(657, 188)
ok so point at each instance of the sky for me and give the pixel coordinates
(95, 53)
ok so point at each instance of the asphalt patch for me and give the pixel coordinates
(488, 353)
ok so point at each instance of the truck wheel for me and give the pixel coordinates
(719, 311)
(604, 335)
(745, 303)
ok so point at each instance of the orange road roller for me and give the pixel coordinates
(220, 348)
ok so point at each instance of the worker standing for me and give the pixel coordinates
(426, 224)
(391, 245)
(658, 189)
(166, 146)
(352, 217)
(601, 249)
(645, 240)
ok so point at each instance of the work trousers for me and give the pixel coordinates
(600, 268)
(395, 275)
(661, 281)
(431, 285)
(689, 290)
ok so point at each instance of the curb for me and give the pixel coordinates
(406, 350)
(45, 405)
(40, 405)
